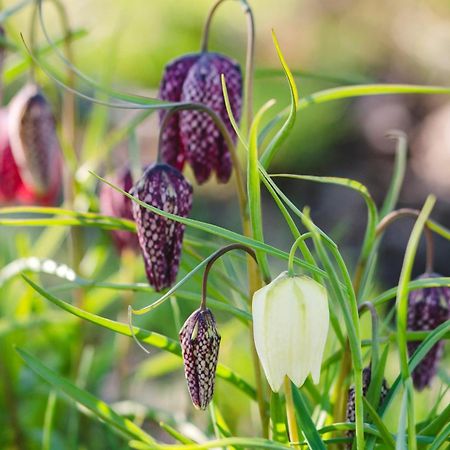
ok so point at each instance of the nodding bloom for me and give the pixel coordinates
(350, 412)
(34, 144)
(427, 309)
(113, 203)
(191, 135)
(200, 347)
(290, 327)
(163, 187)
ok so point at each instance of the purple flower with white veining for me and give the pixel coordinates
(160, 238)
(113, 203)
(200, 347)
(427, 309)
(191, 135)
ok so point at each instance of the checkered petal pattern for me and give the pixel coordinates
(113, 203)
(33, 140)
(160, 239)
(200, 343)
(427, 309)
(192, 133)
(172, 151)
(350, 412)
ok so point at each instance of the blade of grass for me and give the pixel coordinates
(441, 438)
(384, 432)
(99, 408)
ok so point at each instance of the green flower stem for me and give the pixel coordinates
(207, 27)
(294, 435)
(294, 247)
(402, 314)
(375, 338)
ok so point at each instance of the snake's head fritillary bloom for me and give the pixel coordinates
(200, 346)
(290, 326)
(113, 203)
(191, 135)
(34, 143)
(427, 309)
(163, 187)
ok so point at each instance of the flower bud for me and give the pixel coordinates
(163, 187)
(192, 135)
(34, 142)
(350, 412)
(427, 309)
(200, 347)
(113, 203)
(290, 326)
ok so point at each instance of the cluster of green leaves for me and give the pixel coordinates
(72, 300)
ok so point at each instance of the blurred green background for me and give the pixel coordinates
(127, 44)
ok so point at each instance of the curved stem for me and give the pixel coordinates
(294, 247)
(375, 340)
(213, 259)
(207, 27)
(414, 213)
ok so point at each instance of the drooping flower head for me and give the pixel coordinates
(290, 326)
(200, 346)
(113, 203)
(163, 187)
(427, 309)
(34, 143)
(191, 135)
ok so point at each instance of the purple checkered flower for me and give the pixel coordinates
(200, 347)
(351, 410)
(33, 139)
(191, 135)
(113, 203)
(427, 309)
(163, 187)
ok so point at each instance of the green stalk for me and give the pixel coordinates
(294, 435)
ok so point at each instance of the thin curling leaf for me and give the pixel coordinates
(427, 309)
(161, 238)
(284, 131)
(290, 327)
(200, 346)
(113, 203)
(171, 88)
(203, 143)
(34, 143)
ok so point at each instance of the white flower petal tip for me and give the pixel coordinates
(290, 328)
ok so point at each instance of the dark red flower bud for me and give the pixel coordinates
(160, 238)
(200, 346)
(34, 142)
(427, 309)
(350, 413)
(196, 78)
(10, 181)
(113, 203)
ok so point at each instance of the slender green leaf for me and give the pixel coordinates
(401, 443)
(176, 434)
(278, 419)
(384, 432)
(284, 131)
(441, 438)
(307, 426)
(99, 408)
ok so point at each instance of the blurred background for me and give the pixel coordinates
(329, 43)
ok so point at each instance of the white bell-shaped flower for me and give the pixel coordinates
(290, 327)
